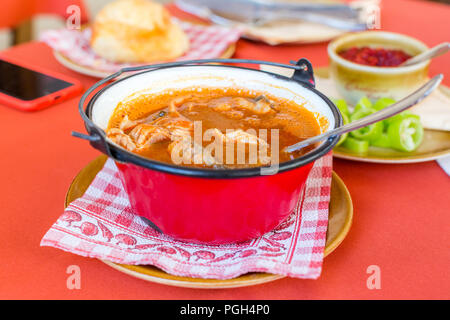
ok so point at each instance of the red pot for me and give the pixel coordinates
(213, 210)
(209, 205)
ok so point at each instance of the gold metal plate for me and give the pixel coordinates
(436, 144)
(339, 223)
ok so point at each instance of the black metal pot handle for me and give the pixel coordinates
(303, 73)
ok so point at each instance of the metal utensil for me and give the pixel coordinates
(385, 113)
(436, 51)
(253, 12)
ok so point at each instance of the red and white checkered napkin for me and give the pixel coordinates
(206, 42)
(102, 225)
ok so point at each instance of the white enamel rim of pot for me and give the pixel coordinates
(102, 106)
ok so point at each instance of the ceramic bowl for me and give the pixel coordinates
(354, 80)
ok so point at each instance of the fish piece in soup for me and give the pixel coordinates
(119, 137)
(148, 134)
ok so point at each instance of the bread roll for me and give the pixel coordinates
(137, 31)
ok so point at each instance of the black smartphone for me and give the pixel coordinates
(29, 88)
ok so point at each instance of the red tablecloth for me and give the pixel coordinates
(401, 221)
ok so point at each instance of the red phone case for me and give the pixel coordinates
(45, 101)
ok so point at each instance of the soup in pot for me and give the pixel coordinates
(218, 128)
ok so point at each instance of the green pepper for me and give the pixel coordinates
(342, 106)
(369, 133)
(355, 145)
(383, 103)
(345, 135)
(401, 115)
(383, 141)
(405, 133)
(363, 104)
